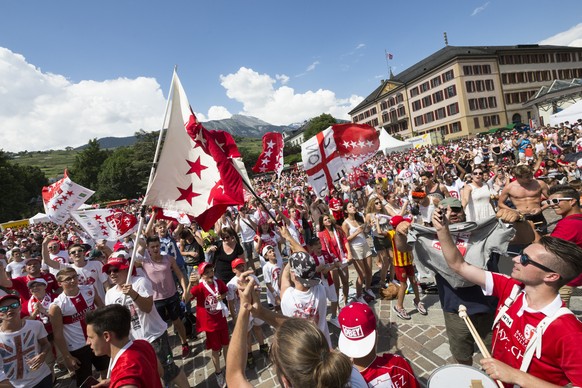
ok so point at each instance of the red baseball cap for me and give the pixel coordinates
(117, 261)
(236, 262)
(394, 221)
(358, 330)
(203, 266)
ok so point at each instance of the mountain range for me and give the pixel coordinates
(237, 125)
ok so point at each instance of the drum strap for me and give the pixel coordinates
(508, 302)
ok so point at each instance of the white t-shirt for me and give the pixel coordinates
(147, 326)
(455, 188)
(19, 346)
(74, 309)
(62, 258)
(232, 297)
(310, 304)
(271, 274)
(247, 233)
(16, 269)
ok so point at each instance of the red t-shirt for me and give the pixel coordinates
(561, 360)
(20, 284)
(570, 228)
(208, 311)
(137, 365)
(390, 370)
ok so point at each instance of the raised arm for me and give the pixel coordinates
(451, 253)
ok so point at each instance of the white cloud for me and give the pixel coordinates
(480, 9)
(312, 66)
(40, 111)
(282, 105)
(282, 78)
(361, 45)
(571, 37)
(218, 113)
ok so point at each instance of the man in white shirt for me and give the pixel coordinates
(146, 322)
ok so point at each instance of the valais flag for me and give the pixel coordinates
(271, 158)
(199, 171)
(333, 154)
(108, 224)
(62, 197)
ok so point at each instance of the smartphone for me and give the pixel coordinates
(89, 382)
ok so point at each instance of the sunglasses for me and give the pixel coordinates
(377, 203)
(525, 260)
(77, 252)
(13, 306)
(478, 173)
(69, 279)
(555, 201)
(112, 270)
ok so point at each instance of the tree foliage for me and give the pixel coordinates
(87, 165)
(22, 186)
(318, 124)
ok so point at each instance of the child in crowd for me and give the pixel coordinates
(239, 267)
(404, 272)
(272, 276)
(357, 340)
(211, 313)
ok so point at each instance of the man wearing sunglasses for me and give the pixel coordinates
(90, 272)
(565, 201)
(528, 301)
(24, 346)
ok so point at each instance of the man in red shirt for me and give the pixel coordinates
(336, 205)
(529, 308)
(565, 201)
(134, 363)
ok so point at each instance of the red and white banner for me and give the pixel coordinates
(333, 153)
(199, 171)
(172, 215)
(108, 224)
(271, 158)
(63, 197)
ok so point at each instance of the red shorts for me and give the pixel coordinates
(404, 273)
(215, 340)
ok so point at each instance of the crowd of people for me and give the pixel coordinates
(444, 213)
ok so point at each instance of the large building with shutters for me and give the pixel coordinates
(462, 91)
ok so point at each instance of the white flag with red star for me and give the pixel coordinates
(199, 171)
(108, 224)
(333, 153)
(63, 197)
(271, 159)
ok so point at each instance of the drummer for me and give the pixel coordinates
(528, 301)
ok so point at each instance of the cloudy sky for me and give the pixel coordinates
(71, 71)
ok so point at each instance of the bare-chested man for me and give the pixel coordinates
(525, 194)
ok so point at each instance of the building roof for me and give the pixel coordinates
(445, 55)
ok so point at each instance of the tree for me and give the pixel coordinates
(87, 165)
(318, 124)
(119, 177)
(21, 187)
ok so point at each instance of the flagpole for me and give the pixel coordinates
(260, 201)
(151, 178)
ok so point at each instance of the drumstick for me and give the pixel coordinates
(463, 314)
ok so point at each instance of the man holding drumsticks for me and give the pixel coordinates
(529, 308)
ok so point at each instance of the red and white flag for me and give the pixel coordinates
(199, 171)
(63, 197)
(108, 224)
(172, 215)
(271, 158)
(333, 153)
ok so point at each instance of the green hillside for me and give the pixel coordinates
(52, 163)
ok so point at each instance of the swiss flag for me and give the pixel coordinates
(334, 153)
(271, 158)
(199, 171)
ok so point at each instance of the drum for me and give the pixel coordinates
(458, 376)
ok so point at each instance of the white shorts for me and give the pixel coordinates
(330, 293)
